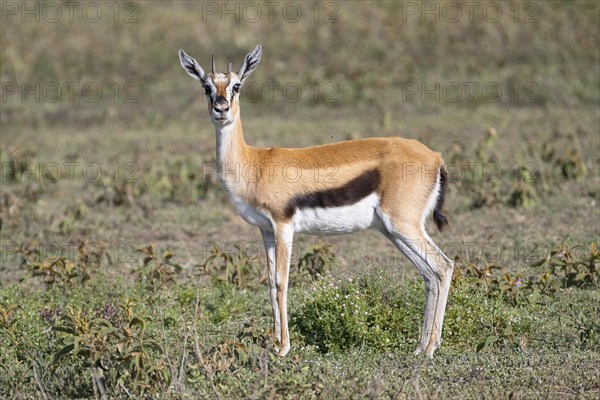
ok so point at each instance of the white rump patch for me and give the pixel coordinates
(431, 202)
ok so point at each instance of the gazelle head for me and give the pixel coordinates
(222, 89)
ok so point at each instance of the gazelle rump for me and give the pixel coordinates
(389, 184)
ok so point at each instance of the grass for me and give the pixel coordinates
(144, 282)
(159, 337)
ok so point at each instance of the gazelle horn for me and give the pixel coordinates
(213, 64)
(229, 68)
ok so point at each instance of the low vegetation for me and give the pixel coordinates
(157, 336)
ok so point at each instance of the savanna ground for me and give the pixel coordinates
(126, 272)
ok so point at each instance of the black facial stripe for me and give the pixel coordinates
(211, 94)
(350, 193)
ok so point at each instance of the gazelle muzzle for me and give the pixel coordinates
(221, 105)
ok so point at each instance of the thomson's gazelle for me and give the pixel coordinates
(390, 184)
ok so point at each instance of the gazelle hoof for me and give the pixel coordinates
(283, 351)
(431, 348)
(428, 352)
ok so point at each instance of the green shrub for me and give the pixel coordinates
(367, 311)
(116, 348)
(62, 271)
(317, 261)
(561, 268)
(380, 312)
(475, 321)
(157, 270)
(235, 268)
(571, 269)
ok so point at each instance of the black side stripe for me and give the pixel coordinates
(350, 193)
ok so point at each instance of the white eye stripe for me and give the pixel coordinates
(230, 92)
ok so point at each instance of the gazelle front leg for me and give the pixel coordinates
(284, 237)
(269, 240)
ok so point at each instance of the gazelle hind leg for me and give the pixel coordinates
(411, 249)
(434, 266)
(441, 269)
(446, 268)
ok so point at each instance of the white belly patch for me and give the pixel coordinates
(337, 220)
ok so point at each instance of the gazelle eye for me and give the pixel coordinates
(207, 89)
(236, 87)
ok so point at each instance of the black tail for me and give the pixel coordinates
(440, 220)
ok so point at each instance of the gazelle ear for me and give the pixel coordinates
(192, 67)
(250, 63)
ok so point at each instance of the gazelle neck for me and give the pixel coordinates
(231, 151)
